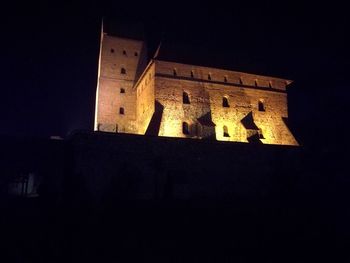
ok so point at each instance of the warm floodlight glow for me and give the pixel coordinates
(177, 100)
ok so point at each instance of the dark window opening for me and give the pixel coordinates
(261, 105)
(241, 81)
(185, 128)
(122, 71)
(121, 110)
(225, 79)
(270, 84)
(225, 102)
(124, 52)
(192, 74)
(112, 50)
(185, 98)
(226, 131)
(122, 90)
(209, 76)
(136, 54)
(174, 72)
(256, 83)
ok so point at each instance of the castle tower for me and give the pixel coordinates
(121, 62)
(168, 98)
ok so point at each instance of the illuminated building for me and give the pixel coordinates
(165, 98)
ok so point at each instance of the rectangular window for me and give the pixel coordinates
(261, 106)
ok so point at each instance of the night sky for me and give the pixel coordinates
(50, 55)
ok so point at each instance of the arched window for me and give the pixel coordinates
(122, 90)
(225, 78)
(209, 76)
(225, 130)
(124, 52)
(174, 72)
(261, 106)
(121, 110)
(192, 74)
(122, 71)
(185, 98)
(225, 102)
(185, 128)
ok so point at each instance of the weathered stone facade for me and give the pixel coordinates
(121, 63)
(194, 101)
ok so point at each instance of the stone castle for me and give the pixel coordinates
(166, 98)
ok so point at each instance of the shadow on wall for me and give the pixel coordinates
(142, 64)
(255, 138)
(253, 134)
(154, 125)
(206, 126)
(286, 122)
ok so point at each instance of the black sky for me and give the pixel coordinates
(50, 54)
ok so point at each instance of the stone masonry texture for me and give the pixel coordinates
(195, 101)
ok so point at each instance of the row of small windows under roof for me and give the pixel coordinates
(225, 103)
(225, 79)
(123, 71)
(124, 52)
(225, 133)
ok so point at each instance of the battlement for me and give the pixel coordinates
(222, 76)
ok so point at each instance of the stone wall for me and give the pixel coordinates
(196, 102)
(145, 101)
(142, 167)
(242, 93)
(121, 63)
(221, 75)
(169, 92)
